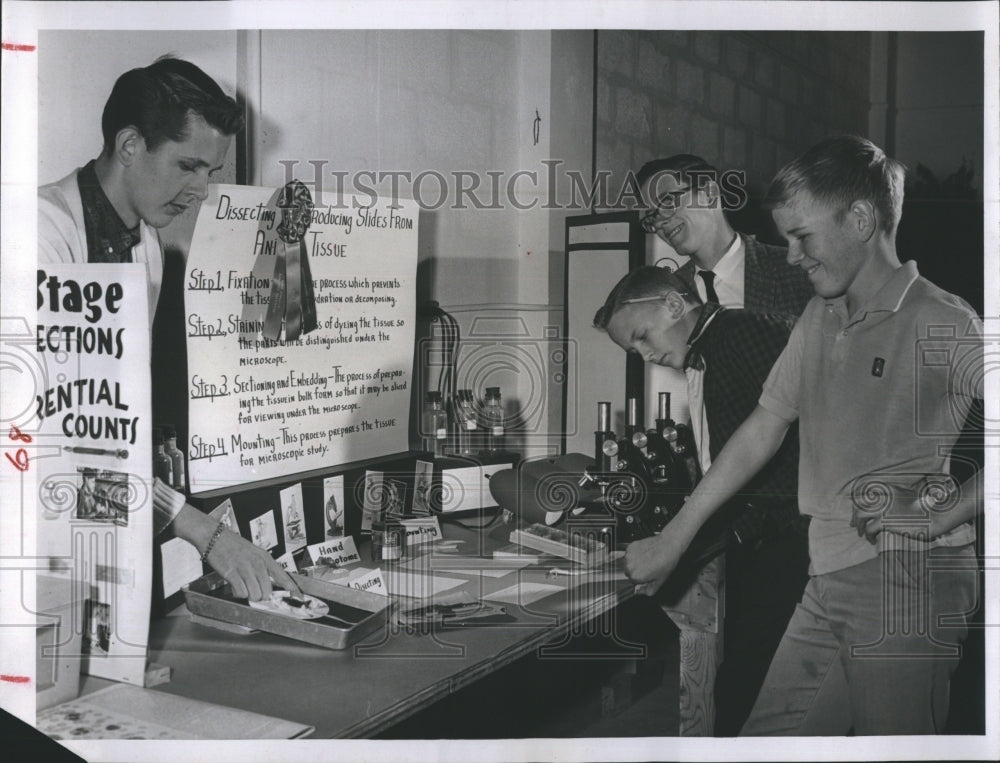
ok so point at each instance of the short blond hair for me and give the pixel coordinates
(646, 281)
(839, 171)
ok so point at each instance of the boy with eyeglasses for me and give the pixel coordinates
(685, 202)
(880, 373)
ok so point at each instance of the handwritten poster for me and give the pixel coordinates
(264, 407)
(93, 454)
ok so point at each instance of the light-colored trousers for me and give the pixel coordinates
(871, 648)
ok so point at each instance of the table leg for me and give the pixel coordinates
(699, 616)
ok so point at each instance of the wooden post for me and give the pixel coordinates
(699, 614)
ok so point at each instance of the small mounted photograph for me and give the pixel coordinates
(292, 517)
(225, 513)
(371, 508)
(333, 506)
(263, 532)
(96, 628)
(102, 496)
(423, 475)
(395, 499)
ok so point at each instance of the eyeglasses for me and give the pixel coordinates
(655, 298)
(667, 202)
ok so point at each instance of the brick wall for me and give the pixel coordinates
(744, 100)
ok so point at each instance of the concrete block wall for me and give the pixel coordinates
(417, 101)
(451, 101)
(743, 100)
(939, 101)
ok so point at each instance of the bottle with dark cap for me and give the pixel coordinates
(163, 466)
(435, 424)
(493, 420)
(176, 457)
(465, 421)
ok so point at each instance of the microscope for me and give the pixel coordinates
(644, 476)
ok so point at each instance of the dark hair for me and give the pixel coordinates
(646, 281)
(691, 169)
(839, 171)
(159, 99)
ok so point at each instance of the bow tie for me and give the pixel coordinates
(694, 360)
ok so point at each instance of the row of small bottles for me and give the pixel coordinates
(471, 427)
(169, 462)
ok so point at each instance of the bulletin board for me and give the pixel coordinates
(262, 407)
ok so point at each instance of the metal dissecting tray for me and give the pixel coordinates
(211, 598)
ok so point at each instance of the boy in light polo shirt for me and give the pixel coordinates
(880, 373)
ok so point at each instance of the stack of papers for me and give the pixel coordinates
(128, 712)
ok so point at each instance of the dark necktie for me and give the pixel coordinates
(709, 278)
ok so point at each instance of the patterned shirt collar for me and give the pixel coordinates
(108, 238)
(693, 358)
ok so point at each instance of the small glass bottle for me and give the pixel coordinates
(465, 421)
(176, 457)
(493, 420)
(394, 543)
(163, 465)
(388, 542)
(378, 540)
(435, 424)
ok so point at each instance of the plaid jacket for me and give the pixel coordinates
(738, 348)
(771, 285)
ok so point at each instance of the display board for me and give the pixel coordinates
(92, 446)
(600, 249)
(264, 404)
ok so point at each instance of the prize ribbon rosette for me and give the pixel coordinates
(292, 301)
